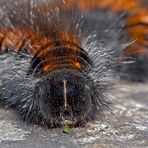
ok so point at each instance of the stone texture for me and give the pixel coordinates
(125, 126)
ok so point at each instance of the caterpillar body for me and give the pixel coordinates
(56, 67)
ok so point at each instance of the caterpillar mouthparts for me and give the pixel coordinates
(57, 70)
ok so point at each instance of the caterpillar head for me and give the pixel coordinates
(64, 98)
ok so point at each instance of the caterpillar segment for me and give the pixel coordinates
(62, 52)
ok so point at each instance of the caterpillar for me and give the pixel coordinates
(58, 62)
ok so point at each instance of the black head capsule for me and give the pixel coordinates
(64, 98)
(64, 91)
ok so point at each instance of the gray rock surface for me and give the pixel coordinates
(126, 126)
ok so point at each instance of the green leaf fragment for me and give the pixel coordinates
(66, 129)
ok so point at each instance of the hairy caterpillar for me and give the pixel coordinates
(58, 68)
